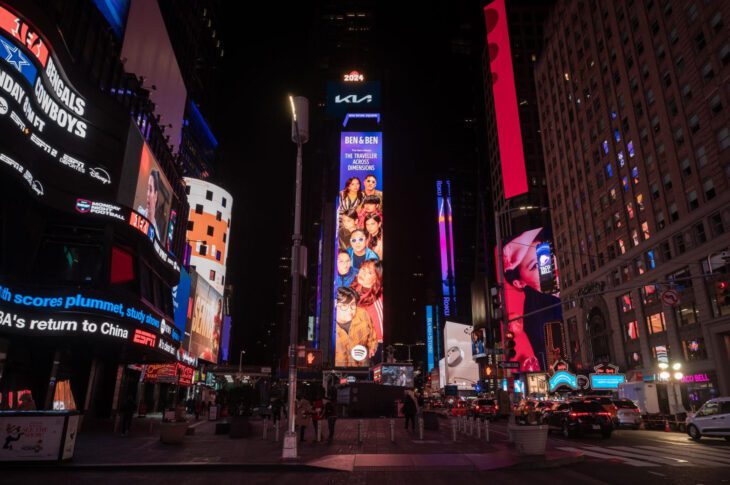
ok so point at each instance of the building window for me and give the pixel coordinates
(198, 208)
(218, 255)
(701, 156)
(692, 200)
(203, 251)
(650, 260)
(666, 250)
(694, 349)
(684, 165)
(660, 222)
(210, 230)
(635, 175)
(605, 147)
(212, 275)
(621, 159)
(650, 294)
(224, 202)
(686, 313)
(673, 212)
(708, 72)
(700, 234)
(225, 236)
(208, 195)
(634, 360)
(191, 224)
(609, 169)
(694, 123)
(700, 41)
(655, 191)
(630, 210)
(725, 54)
(640, 202)
(679, 136)
(667, 182)
(625, 303)
(645, 230)
(723, 138)
(218, 216)
(716, 104)
(687, 91)
(716, 224)
(632, 330)
(716, 22)
(720, 296)
(680, 244)
(660, 354)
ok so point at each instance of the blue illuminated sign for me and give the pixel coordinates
(606, 381)
(563, 378)
(429, 336)
(180, 297)
(361, 116)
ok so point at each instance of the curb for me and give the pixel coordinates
(547, 463)
(185, 466)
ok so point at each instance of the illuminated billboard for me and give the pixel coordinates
(206, 320)
(478, 340)
(446, 244)
(180, 297)
(429, 337)
(396, 375)
(344, 97)
(461, 370)
(511, 155)
(524, 296)
(357, 329)
(153, 195)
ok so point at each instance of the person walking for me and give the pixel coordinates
(410, 408)
(276, 406)
(198, 409)
(303, 417)
(317, 415)
(330, 414)
(127, 411)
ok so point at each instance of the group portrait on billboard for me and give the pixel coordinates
(358, 286)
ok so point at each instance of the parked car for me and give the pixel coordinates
(607, 404)
(460, 409)
(577, 417)
(712, 420)
(628, 413)
(485, 409)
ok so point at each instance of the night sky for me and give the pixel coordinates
(257, 158)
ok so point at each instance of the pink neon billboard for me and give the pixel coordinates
(511, 155)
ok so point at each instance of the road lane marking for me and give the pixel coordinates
(695, 455)
(654, 459)
(627, 461)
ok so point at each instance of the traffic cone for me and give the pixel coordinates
(666, 426)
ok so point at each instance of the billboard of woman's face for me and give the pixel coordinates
(528, 307)
(153, 195)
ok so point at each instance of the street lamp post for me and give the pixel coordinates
(300, 135)
(240, 362)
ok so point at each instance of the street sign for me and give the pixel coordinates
(670, 297)
(509, 365)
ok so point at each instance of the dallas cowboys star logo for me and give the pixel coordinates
(14, 56)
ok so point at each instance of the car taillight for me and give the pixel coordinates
(604, 414)
(575, 415)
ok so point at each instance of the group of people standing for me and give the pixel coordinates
(312, 413)
(359, 280)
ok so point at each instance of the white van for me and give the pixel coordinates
(712, 420)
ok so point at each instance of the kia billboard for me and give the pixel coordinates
(528, 307)
(357, 330)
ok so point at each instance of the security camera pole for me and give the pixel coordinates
(300, 135)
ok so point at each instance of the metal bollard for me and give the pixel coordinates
(479, 430)
(276, 432)
(319, 431)
(392, 430)
(471, 427)
(486, 429)
(359, 430)
(266, 428)
(454, 423)
(420, 428)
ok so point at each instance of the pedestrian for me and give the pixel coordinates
(303, 416)
(198, 409)
(317, 415)
(127, 411)
(410, 408)
(276, 406)
(330, 414)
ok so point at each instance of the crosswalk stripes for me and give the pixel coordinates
(648, 456)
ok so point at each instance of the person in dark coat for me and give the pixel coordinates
(410, 408)
(276, 406)
(127, 411)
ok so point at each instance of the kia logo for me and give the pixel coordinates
(352, 98)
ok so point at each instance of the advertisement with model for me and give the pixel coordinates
(528, 307)
(206, 320)
(357, 331)
(461, 369)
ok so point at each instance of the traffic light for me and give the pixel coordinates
(309, 359)
(509, 346)
(496, 303)
(722, 290)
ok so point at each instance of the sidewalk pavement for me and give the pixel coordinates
(99, 448)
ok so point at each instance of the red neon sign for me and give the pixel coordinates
(511, 154)
(144, 338)
(18, 28)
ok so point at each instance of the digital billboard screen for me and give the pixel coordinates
(509, 134)
(153, 195)
(206, 320)
(180, 297)
(396, 375)
(461, 370)
(478, 341)
(358, 287)
(524, 296)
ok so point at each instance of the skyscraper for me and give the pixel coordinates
(636, 139)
